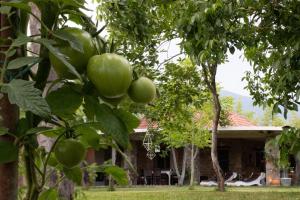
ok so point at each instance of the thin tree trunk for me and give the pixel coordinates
(192, 166)
(9, 117)
(180, 175)
(175, 162)
(111, 186)
(210, 79)
(183, 167)
(194, 154)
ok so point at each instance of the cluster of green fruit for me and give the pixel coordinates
(111, 75)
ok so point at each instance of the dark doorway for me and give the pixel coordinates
(223, 155)
(260, 160)
(163, 161)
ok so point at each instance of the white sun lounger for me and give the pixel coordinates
(214, 183)
(257, 181)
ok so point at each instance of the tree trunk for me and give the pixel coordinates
(194, 154)
(175, 162)
(183, 167)
(210, 72)
(9, 117)
(214, 144)
(111, 186)
(192, 166)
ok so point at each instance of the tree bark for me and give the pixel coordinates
(192, 166)
(175, 162)
(183, 167)
(194, 153)
(210, 79)
(9, 117)
(180, 175)
(111, 186)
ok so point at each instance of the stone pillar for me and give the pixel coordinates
(297, 169)
(272, 171)
(132, 156)
(90, 156)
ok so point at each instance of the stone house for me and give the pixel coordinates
(240, 149)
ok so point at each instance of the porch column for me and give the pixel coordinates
(272, 171)
(90, 156)
(297, 169)
(132, 156)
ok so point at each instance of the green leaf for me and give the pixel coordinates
(8, 152)
(88, 136)
(11, 52)
(22, 61)
(89, 102)
(49, 194)
(3, 130)
(26, 96)
(117, 173)
(53, 133)
(75, 3)
(22, 127)
(48, 44)
(37, 130)
(105, 120)
(64, 102)
(22, 39)
(74, 174)
(74, 43)
(52, 161)
(17, 4)
(130, 120)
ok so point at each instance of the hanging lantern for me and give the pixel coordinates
(151, 154)
(147, 142)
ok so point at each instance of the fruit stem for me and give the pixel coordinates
(47, 160)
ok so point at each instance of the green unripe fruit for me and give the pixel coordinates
(110, 73)
(142, 90)
(76, 58)
(69, 152)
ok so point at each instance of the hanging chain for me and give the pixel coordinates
(148, 140)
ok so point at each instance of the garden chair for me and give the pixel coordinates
(214, 183)
(257, 181)
(148, 174)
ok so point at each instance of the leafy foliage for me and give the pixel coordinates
(272, 46)
(64, 102)
(74, 174)
(26, 96)
(49, 194)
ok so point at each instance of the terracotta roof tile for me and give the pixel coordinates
(239, 120)
(235, 120)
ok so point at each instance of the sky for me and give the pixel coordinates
(229, 75)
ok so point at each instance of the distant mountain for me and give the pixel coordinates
(247, 102)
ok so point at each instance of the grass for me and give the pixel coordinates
(199, 193)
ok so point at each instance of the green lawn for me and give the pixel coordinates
(199, 193)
